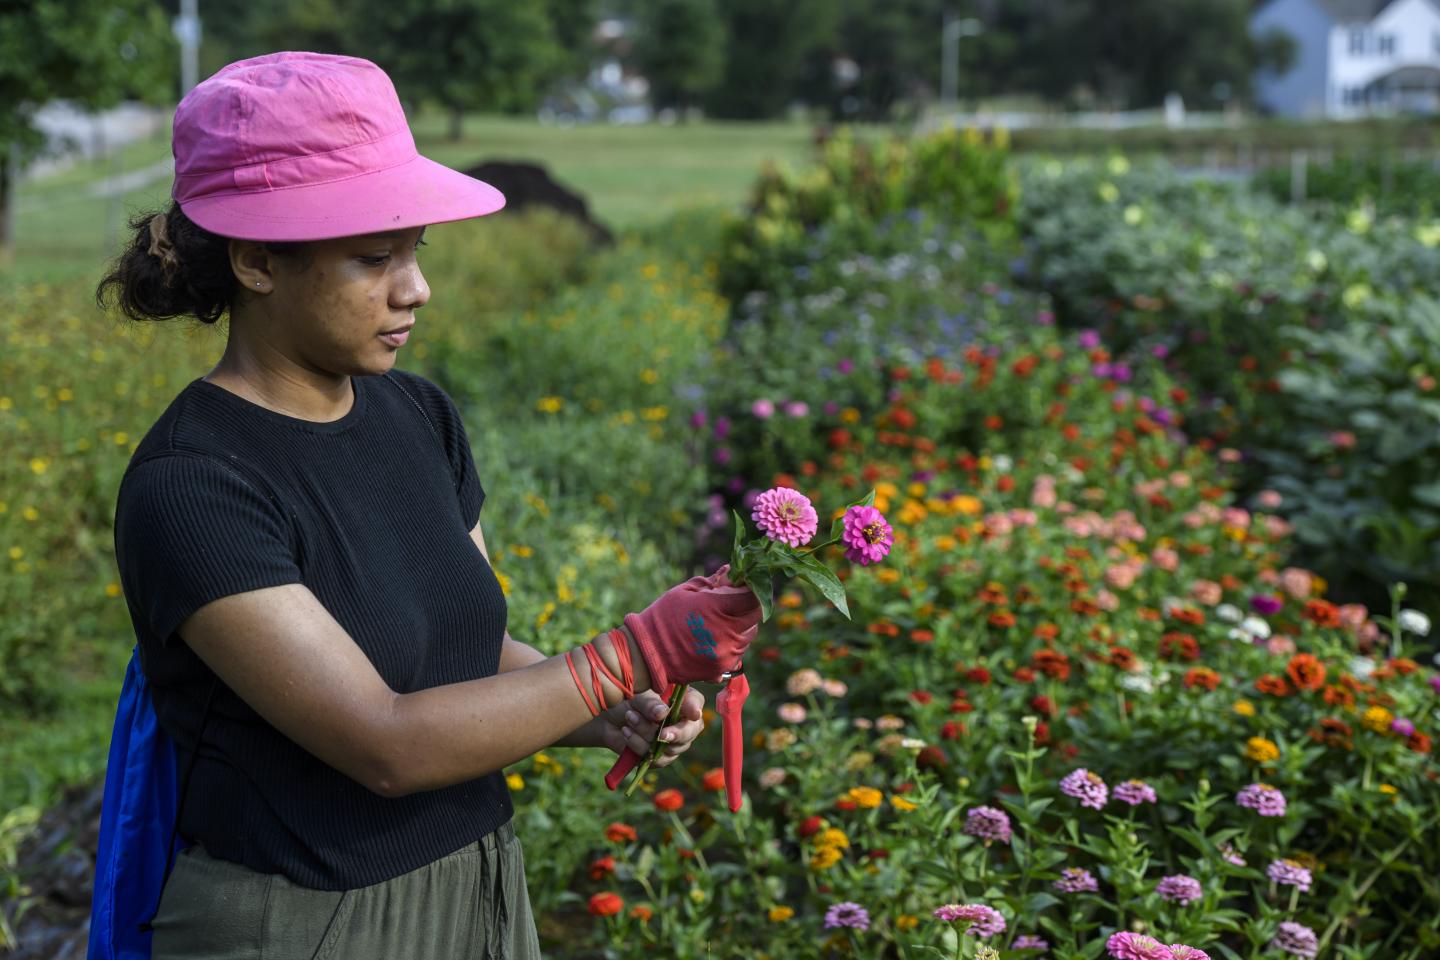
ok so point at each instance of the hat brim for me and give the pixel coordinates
(411, 194)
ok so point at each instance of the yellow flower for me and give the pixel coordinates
(541, 507)
(912, 512)
(545, 614)
(549, 404)
(520, 550)
(1244, 707)
(867, 797)
(887, 575)
(1261, 750)
(697, 895)
(968, 505)
(1377, 719)
(832, 837)
(945, 542)
(1388, 788)
(16, 553)
(655, 413)
(825, 858)
(650, 271)
(122, 438)
(6, 403)
(907, 921)
(903, 805)
(39, 465)
(848, 415)
(514, 781)
(916, 490)
(548, 764)
(112, 589)
(649, 375)
(504, 582)
(781, 914)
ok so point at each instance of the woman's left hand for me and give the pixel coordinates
(633, 724)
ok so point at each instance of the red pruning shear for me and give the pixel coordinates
(729, 704)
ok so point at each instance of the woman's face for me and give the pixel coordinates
(328, 308)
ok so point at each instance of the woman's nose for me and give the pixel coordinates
(411, 290)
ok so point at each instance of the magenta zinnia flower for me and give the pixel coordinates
(1264, 799)
(1183, 951)
(1086, 787)
(786, 515)
(867, 536)
(1136, 946)
(1179, 888)
(981, 921)
(1297, 940)
(1076, 880)
(988, 823)
(847, 914)
(1289, 873)
(1135, 792)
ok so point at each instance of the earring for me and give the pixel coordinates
(257, 283)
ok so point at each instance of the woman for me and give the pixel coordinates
(300, 549)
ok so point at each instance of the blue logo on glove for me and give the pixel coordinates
(704, 639)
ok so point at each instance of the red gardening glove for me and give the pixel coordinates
(696, 631)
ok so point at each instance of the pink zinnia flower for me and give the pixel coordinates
(847, 914)
(792, 712)
(1297, 940)
(1289, 873)
(1264, 799)
(1231, 856)
(1183, 951)
(1076, 880)
(786, 515)
(1179, 888)
(1029, 941)
(1086, 787)
(1135, 792)
(988, 823)
(982, 921)
(867, 536)
(1136, 946)
(763, 409)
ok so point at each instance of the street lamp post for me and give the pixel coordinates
(187, 30)
(950, 35)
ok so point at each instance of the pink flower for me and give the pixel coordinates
(1297, 582)
(1135, 792)
(834, 688)
(796, 408)
(1270, 499)
(1121, 576)
(1296, 939)
(763, 409)
(1076, 880)
(1289, 873)
(1179, 888)
(1136, 946)
(988, 823)
(980, 920)
(791, 712)
(1029, 941)
(803, 681)
(1182, 951)
(867, 536)
(1086, 787)
(1207, 592)
(1165, 558)
(1264, 799)
(785, 515)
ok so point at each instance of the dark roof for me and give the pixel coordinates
(1353, 11)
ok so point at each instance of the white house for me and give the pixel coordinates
(1353, 57)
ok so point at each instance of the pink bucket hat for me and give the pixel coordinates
(309, 146)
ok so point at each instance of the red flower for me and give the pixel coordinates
(602, 868)
(845, 803)
(1273, 685)
(1201, 677)
(606, 904)
(641, 912)
(1179, 646)
(931, 756)
(921, 697)
(620, 833)
(714, 779)
(810, 826)
(1052, 663)
(1322, 612)
(1122, 657)
(951, 730)
(1306, 671)
(1024, 675)
(978, 675)
(1419, 742)
(1043, 704)
(1042, 733)
(669, 800)
(922, 636)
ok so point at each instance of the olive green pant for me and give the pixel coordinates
(470, 904)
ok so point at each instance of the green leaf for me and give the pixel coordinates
(735, 555)
(837, 526)
(764, 587)
(824, 580)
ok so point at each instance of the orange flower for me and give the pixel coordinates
(1052, 663)
(1338, 696)
(714, 779)
(1201, 677)
(1273, 685)
(602, 868)
(620, 833)
(1306, 672)
(606, 904)
(642, 913)
(1322, 612)
(1002, 618)
(669, 800)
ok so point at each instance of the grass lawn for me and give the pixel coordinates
(630, 175)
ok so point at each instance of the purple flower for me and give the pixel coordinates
(1402, 726)
(1229, 854)
(1029, 941)
(1435, 683)
(1183, 951)
(1289, 873)
(831, 408)
(1045, 318)
(1136, 946)
(1076, 880)
(1160, 351)
(722, 427)
(1135, 792)
(845, 365)
(1086, 787)
(867, 536)
(1100, 370)
(1179, 888)
(1122, 372)
(1089, 339)
(1266, 604)
(979, 920)
(763, 409)
(723, 455)
(698, 419)
(847, 914)
(1297, 940)
(785, 515)
(797, 408)
(988, 824)
(1264, 799)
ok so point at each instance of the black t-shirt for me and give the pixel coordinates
(371, 512)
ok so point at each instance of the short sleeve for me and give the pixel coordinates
(190, 530)
(462, 461)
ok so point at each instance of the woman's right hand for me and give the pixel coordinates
(696, 631)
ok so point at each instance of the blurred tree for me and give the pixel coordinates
(94, 53)
(767, 51)
(680, 48)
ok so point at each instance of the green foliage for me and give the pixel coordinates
(767, 44)
(680, 48)
(1378, 180)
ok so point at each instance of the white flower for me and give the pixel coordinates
(1362, 667)
(1415, 622)
(1229, 613)
(1137, 682)
(913, 743)
(1002, 463)
(1250, 630)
